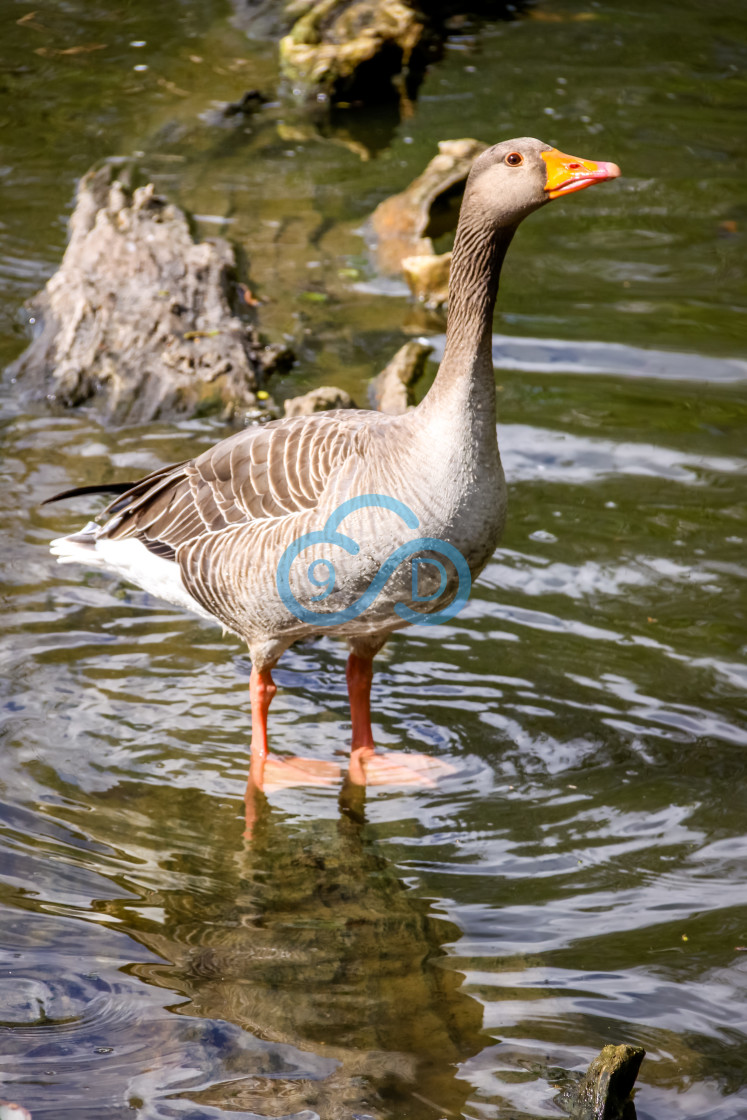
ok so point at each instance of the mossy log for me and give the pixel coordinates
(362, 51)
(603, 1093)
(353, 50)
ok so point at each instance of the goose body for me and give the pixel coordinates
(197, 539)
(215, 533)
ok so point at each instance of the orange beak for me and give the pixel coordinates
(566, 174)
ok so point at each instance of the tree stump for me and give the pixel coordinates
(354, 50)
(137, 322)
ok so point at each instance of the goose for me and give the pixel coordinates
(374, 509)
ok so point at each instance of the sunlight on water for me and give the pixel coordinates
(579, 878)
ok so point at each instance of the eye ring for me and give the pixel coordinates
(514, 159)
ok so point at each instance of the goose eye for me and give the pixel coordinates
(513, 159)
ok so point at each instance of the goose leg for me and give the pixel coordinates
(367, 765)
(265, 774)
(359, 673)
(262, 688)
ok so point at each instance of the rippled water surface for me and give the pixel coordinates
(580, 878)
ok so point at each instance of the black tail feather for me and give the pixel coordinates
(139, 487)
(111, 488)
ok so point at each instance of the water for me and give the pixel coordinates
(580, 878)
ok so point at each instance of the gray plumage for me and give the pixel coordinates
(223, 520)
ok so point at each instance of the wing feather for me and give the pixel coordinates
(263, 472)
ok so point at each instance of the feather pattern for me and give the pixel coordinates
(223, 523)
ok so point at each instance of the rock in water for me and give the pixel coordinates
(404, 224)
(428, 278)
(603, 1093)
(319, 400)
(391, 391)
(137, 321)
(353, 49)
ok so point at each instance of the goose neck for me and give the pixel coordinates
(466, 370)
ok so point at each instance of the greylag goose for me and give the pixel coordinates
(383, 507)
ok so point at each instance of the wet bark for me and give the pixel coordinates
(138, 321)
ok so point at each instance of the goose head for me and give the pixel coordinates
(515, 177)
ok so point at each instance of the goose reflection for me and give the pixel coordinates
(306, 936)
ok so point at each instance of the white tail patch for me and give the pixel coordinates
(70, 550)
(131, 559)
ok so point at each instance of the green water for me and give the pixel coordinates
(580, 879)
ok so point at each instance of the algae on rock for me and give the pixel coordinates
(604, 1092)
(353, 50)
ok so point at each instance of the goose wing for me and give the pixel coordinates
(263, 472)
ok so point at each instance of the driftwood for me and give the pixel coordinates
(391, 391)
(138, 319)
(405, 224)
(603, 1093)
